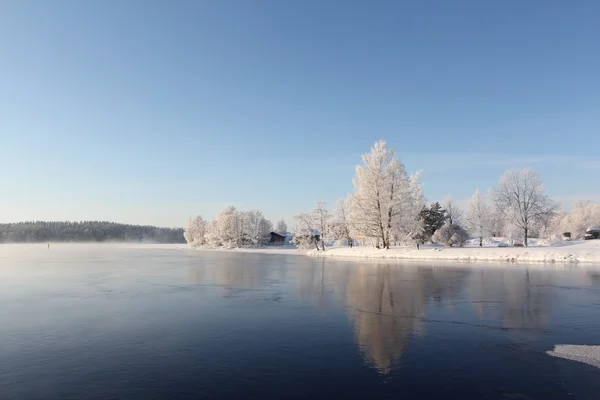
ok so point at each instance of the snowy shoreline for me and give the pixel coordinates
(581, 252)
(260, 250)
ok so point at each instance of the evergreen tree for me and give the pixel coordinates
(432, 218)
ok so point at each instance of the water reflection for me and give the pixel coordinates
(517, 299)
(386, 303)
(389, 305)
(233, 271)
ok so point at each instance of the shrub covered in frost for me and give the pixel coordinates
(451, 235)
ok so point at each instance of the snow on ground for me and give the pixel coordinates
(288, 249)
(566, 252)
(585, 354)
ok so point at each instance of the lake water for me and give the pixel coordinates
(99, 322)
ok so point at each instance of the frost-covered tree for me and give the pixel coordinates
(382, 195)
(409, 226)
(212, 235)
(520, 197)
(322, 222)
(454, 214)
(232, 228)
(281, 226)
(256, 229)
(226, 229)
(340, 225)
(430, 220)
(497, 220)
(195, 231)
(478, 216)
(451, 235)
(304, 236)
(583, 216)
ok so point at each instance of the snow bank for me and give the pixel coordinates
(585, 354)
(566, 252)
(285, 250)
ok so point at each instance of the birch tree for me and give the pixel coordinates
(478, 216)
(520, 197)
(381, 195)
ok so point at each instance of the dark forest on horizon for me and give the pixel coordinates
(86, 231)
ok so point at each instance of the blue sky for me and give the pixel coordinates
(153, 111)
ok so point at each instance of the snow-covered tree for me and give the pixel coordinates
(451, 235)
(340, 226)
(213, 235)
(256, 229)
(322, 222)
(226, 229)
(478, 216)
(281, 226)
(454, 214)
(195, 231)
(583, 216)
(409, 226)
(304, 236)
(520, 197)
(382, 195)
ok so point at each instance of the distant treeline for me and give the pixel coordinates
(86, 231)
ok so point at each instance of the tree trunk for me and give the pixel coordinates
(480, 241)
(525, 236)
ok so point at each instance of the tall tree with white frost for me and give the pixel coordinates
(382, 195)
(340, 225)
(454, 215)
(322, 222)
(520, 197)
(281, 226)
(478, 216)
(410, 226)
(195, 231)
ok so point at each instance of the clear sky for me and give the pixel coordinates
(153, 111)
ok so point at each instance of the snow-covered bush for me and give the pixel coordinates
(583, 216)
(451, 235)
(304, 236)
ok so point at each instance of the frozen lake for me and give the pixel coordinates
(121, 322)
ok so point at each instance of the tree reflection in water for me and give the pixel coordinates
(386, 303)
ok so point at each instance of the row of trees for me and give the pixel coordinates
(388, 207)
(232, 228)
(86, 231)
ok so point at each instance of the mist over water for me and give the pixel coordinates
(144, 322)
